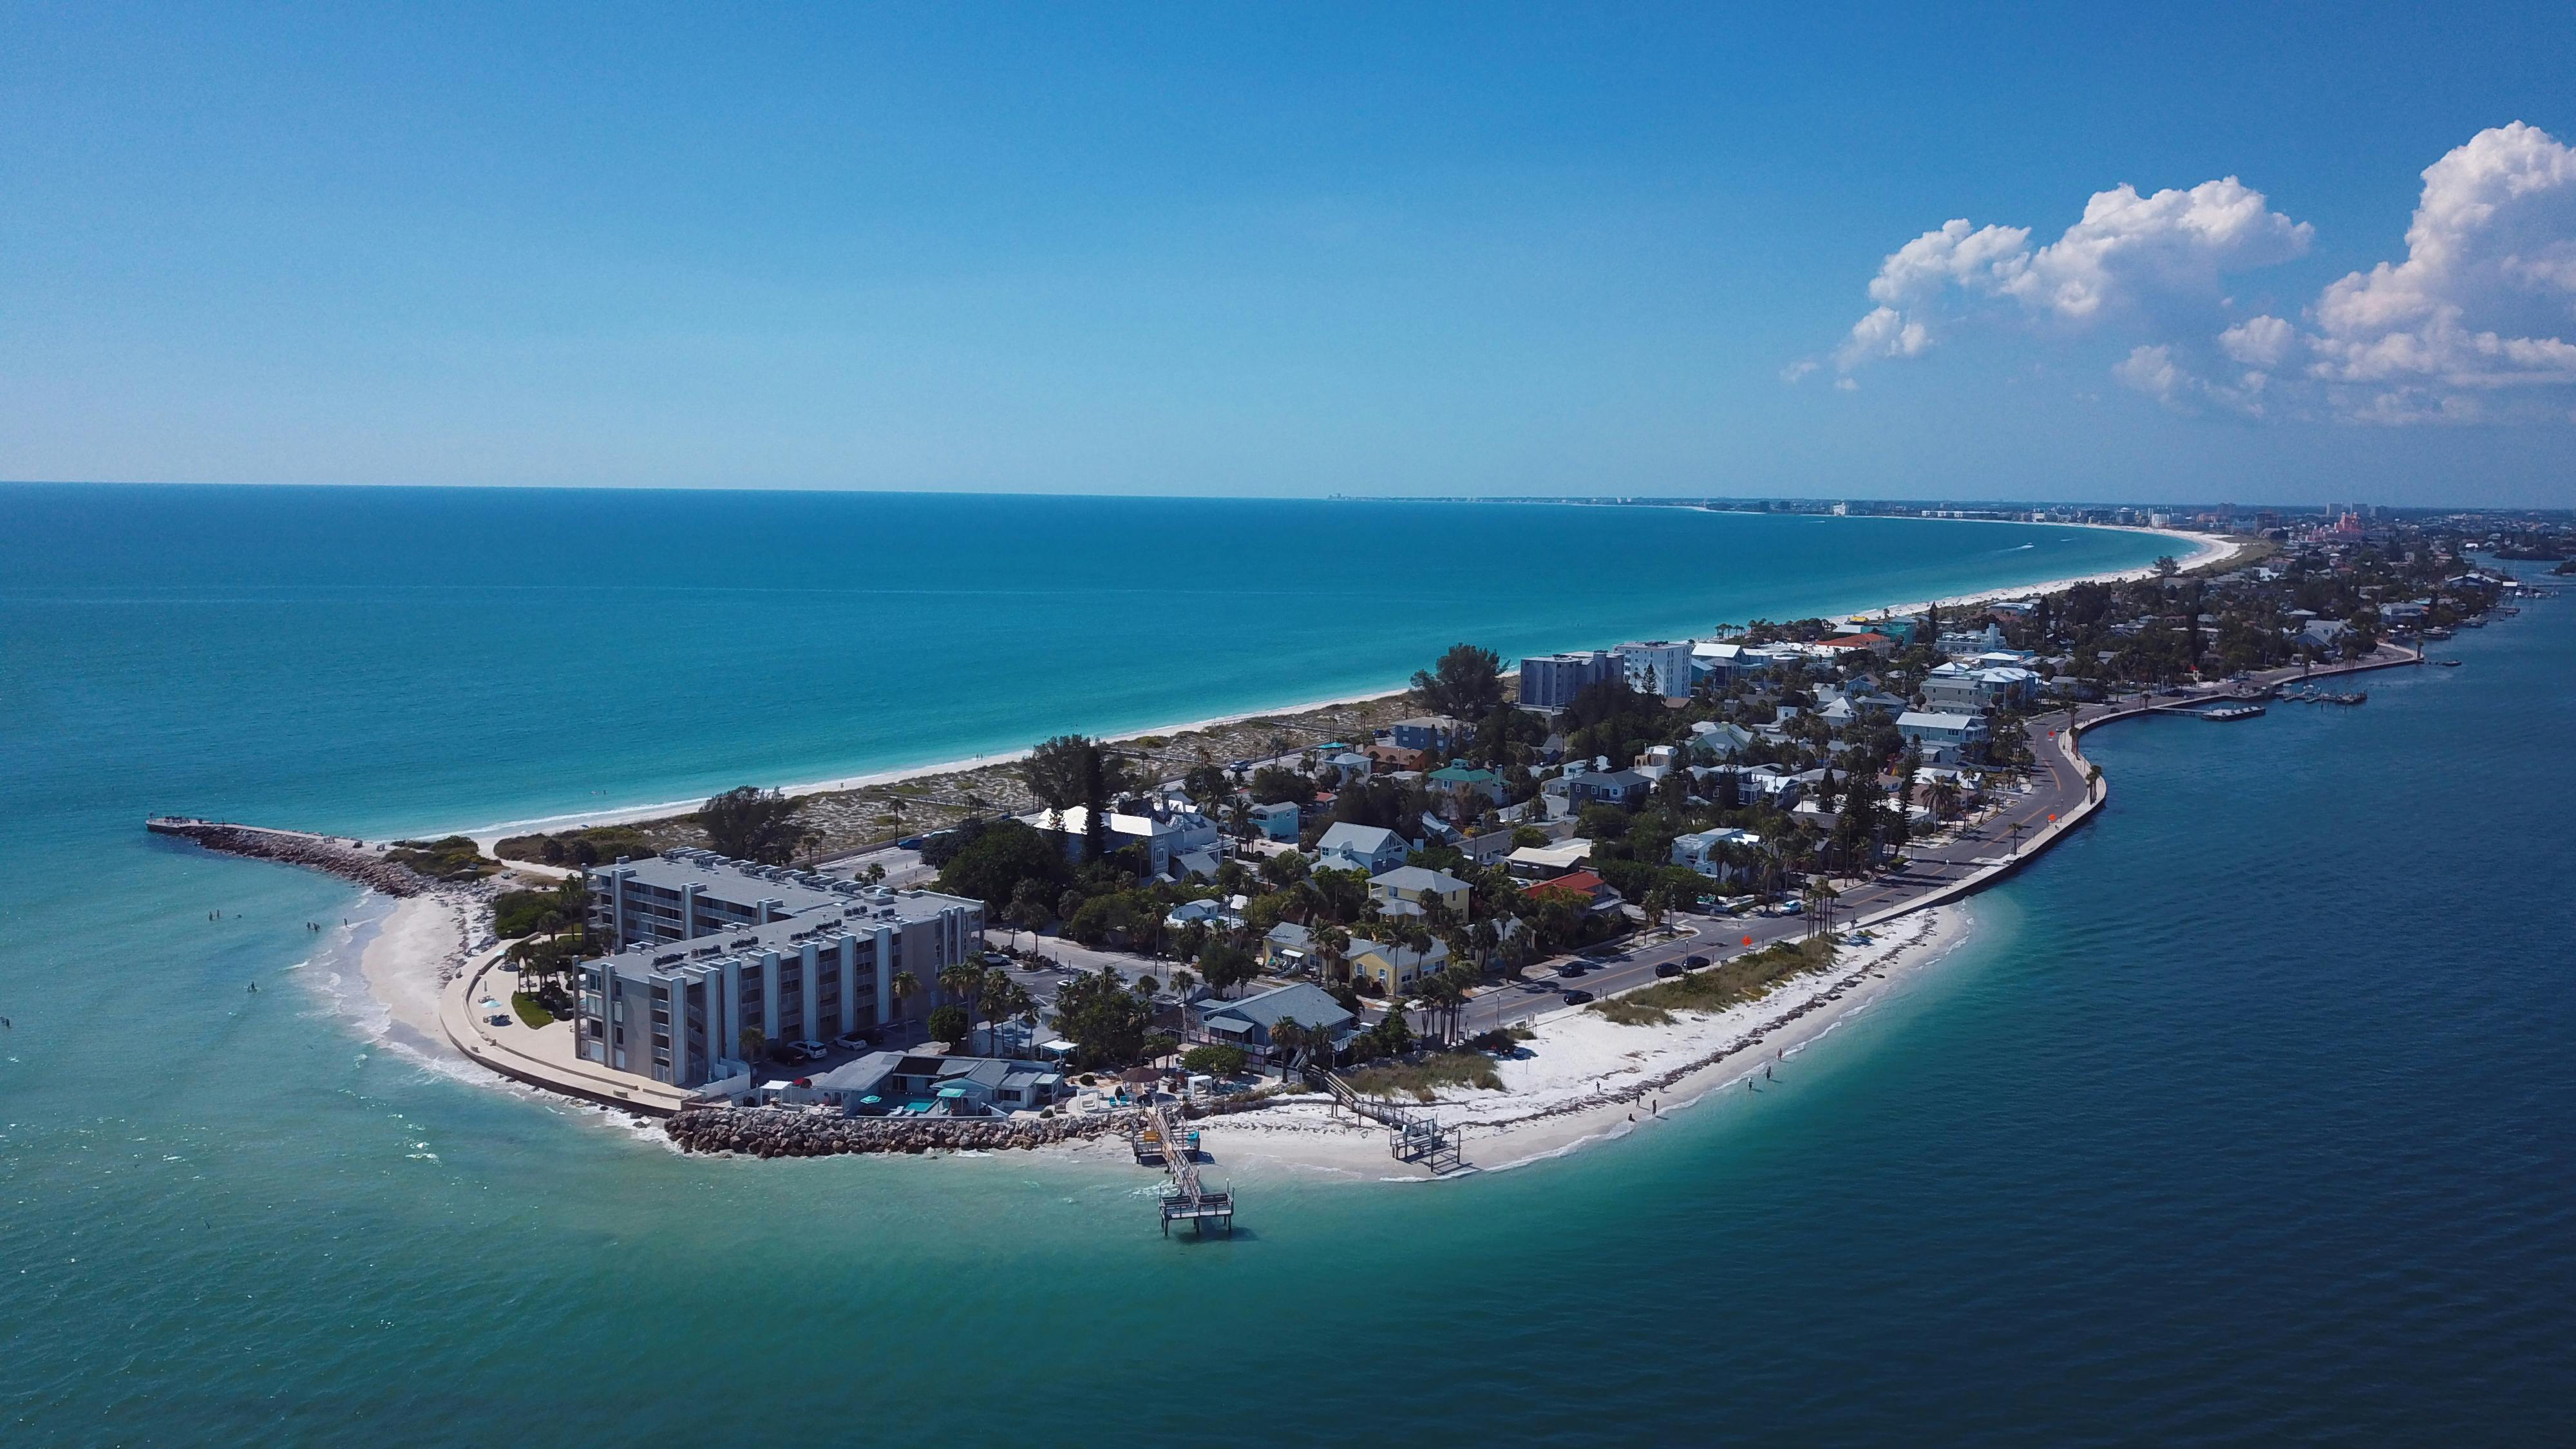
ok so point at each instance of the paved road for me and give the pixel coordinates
(2056, 788)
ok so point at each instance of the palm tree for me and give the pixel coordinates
(1332, 944)
(1820, 905)
(966, 982)
(905, 986)
(1004, 998)
(1286, 1037)
(1445, 999)
(999, 996)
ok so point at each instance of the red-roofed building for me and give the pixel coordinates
(1583, 882)
(1873, 641)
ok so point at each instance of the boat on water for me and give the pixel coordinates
(2232, 711)
(2448, 663)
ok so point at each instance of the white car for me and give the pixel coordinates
(812, 1051)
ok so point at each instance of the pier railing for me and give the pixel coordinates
(1186, 1199)
(1410, 1136)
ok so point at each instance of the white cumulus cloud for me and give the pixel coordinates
(2259, 341)
(2130, 256)
(2475, 324)
(2484, 301)
(2156, 372)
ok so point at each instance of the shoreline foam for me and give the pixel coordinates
(2207, 549)
(1547, 1114)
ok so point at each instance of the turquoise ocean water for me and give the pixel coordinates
(2241, 1118)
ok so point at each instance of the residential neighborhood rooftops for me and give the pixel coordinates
(1419, 878)
(1583, 881)
(1301, 1002)
(1341, 835)
(1550, 859)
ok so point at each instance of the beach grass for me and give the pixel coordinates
(1424, 1078)
(1715, 988)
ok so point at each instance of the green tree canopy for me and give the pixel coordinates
(1104, 1020)
(749, 823)
(1007, 854)
(1277, 784)
(1466, 684)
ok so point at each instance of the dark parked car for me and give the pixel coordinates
(1697, 962)
(912, 842)
(1577, 998)
(1572, 969)
(1668, 968)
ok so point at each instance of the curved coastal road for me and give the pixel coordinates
(2058, 789)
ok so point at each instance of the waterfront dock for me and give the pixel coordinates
(1415, 1137)
(1159, 1139)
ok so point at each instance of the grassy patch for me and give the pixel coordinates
(530, 1014)
(1716, 988)
(1425, 1077)
(584, 847)
(1629, 1012)
(451, 858)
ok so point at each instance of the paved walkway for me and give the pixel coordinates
(539, 1056)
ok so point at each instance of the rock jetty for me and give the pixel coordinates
(295, 847)
(771, 1132)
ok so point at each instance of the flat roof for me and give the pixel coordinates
(863, 914)
(733, 880)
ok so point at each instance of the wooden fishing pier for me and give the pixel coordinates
(1159, 1141)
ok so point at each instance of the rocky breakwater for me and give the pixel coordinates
(295, 847)
(773, 1132)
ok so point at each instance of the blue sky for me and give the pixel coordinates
(1298, 250)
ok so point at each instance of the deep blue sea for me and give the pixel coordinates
(2242, 1117)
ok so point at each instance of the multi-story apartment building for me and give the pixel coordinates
(1658, 666)
(1551, 681)
(684, 894)
(671, 1010)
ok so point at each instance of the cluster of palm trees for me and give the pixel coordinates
(984, 994)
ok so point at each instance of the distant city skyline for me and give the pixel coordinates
(2277, 256)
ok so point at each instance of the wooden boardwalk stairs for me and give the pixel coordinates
(1186, 1199)
(1411, 1136)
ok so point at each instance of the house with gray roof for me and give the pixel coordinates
(1247, 1023)
(922, 1084)
(1288, 947)
(1369, 848)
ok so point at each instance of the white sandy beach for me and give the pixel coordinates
(2203, 548)
(413, 953)
(1586, 1079)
